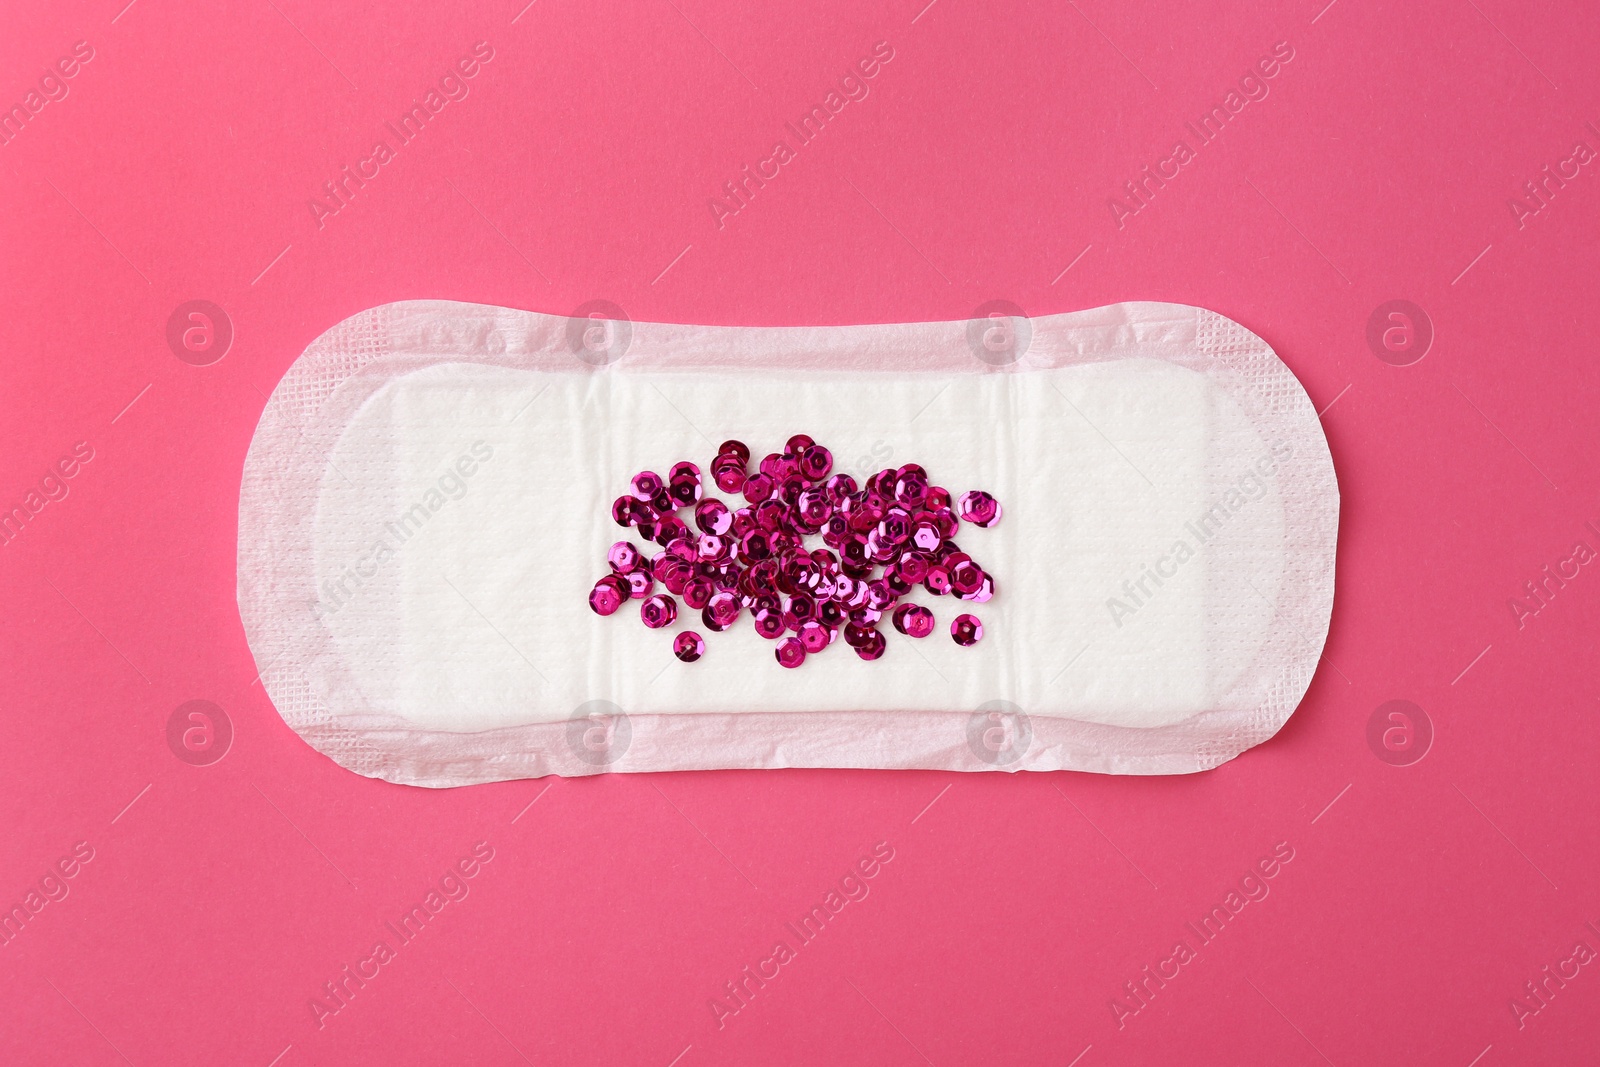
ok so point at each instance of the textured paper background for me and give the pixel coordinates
(220, 898)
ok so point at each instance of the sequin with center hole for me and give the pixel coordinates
(721, 611)
(790, 652)
(815, 507)
(713, 516)
(729, 476)
(697, 592)
(982, 595)
(816, 462)
(623, 557)
(658, 611)
(866, 616)
(872, 646)
(966, 578)
(685, 491)
(646, 484)
(913, 620)
(769, 624)
(912, 567)
(688, 646)
(758, 488)
(814, 636)
(966, 630)
(710, 547)
(607, 595)
(979, 508)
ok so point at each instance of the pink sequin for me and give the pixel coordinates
(758, 488)
(815, 462)
(646, 484)
(729, 474)
(607, 596)
(979, 508)
(790, 652)
(658, 611)
(913, 620)
(967, 630)
(814, 636)
(697, 592)
(720, 611)
(623, 557)
(685, 490)
(713, 517)
(688, 646)
(983, 594)
(966, 577)
(769, 624)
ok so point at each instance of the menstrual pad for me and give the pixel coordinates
(426, 506)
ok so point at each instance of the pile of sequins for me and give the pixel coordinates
(883, 539)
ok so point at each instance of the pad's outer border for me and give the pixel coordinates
(300, 668)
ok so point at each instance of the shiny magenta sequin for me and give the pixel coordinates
(697, 592)
(966, 577)
(713, 517)
(925, 535)
(607, 596)
(816, 462)
(913, 620)
(881, 538)
(729, 474)
(814, 636)
(758, 488)
(646, 484)
(685, 488)
(790, 652)
(688, 646)
(769, 624)
(721, 611)
(980, 508)
(981, 595)
(658, 611)
(623, 557)
(872, 645)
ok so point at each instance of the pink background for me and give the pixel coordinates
(220, 898)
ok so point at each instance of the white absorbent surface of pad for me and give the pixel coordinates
(427, 503)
